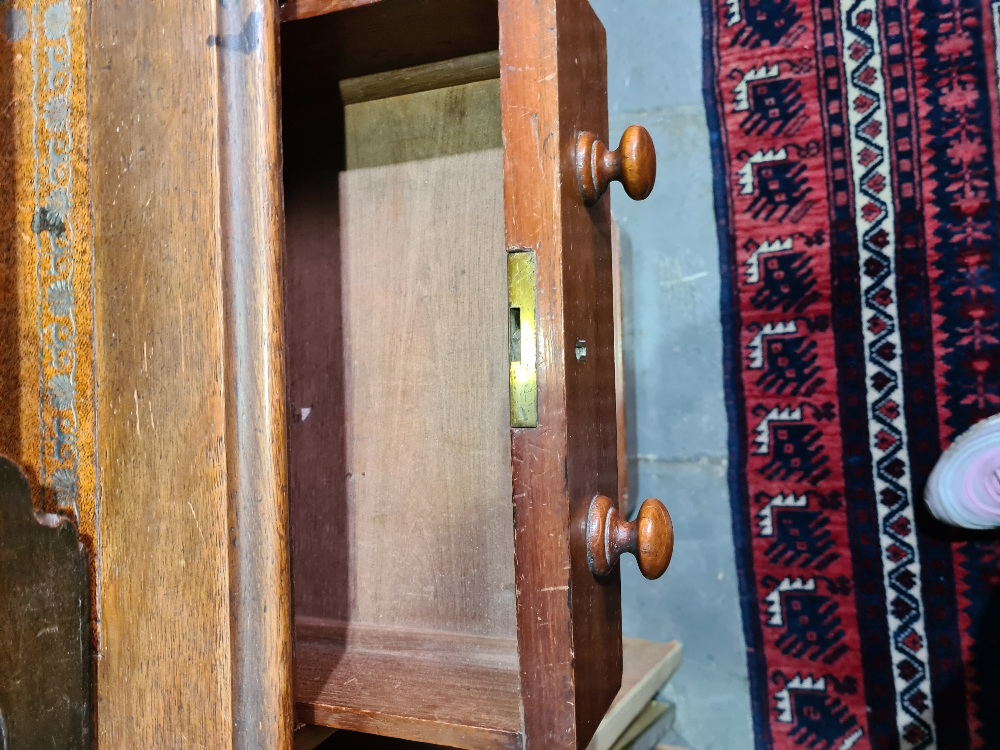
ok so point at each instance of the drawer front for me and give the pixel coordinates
(554, 86)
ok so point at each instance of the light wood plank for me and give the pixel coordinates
(424, 125)
(436, 75)
(425, 352)
(164, 669)
(400, 454)
(648, 666)
(445, 703)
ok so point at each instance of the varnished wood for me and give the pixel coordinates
(633, 164)
(553, 85)
(650, 537)
(621, 416)
(567, 628)
(45, 650)
(647, 667)
(252, 235)
(449, 703)
(193, 602)
(159, 336)
(437, 75)
(299, 9)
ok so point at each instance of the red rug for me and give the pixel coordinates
(857, 156)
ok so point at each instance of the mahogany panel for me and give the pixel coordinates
(554, 85)
(590, 391)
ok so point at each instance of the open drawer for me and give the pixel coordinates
(406, 276)
(450, 367)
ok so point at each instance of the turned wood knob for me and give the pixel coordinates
(633, 164)
(650, 537)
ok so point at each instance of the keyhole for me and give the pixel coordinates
(515, 334)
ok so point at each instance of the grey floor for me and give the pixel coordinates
(677, 418)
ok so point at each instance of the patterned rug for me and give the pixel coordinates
(857, 156)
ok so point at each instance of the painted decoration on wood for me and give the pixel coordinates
(46, 257)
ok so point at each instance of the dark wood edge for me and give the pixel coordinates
(553, 86)
(295, 10)
(45, 624)
(530, 117)
(483, 66)
(417, 730)
(590, 389)
(252, 237)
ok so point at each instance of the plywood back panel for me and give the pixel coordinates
(428, 446)
(425, 124)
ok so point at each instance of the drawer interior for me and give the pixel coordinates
(396, 319)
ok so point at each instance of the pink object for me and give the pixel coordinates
(964, 487)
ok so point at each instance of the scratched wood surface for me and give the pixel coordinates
(647, 667)
(450, 703)
(553, 85)
(192, 569)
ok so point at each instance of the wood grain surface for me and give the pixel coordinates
(553, 85)
(648, 666)
(452, 704)
(193, 596)
(621, 390)
(252, 251)
(425, 488)
(484, 66)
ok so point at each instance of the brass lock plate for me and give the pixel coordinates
(521, 317)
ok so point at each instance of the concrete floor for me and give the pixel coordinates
(677, 418)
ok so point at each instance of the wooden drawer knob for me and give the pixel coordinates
(633, 164)
(650, 537)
